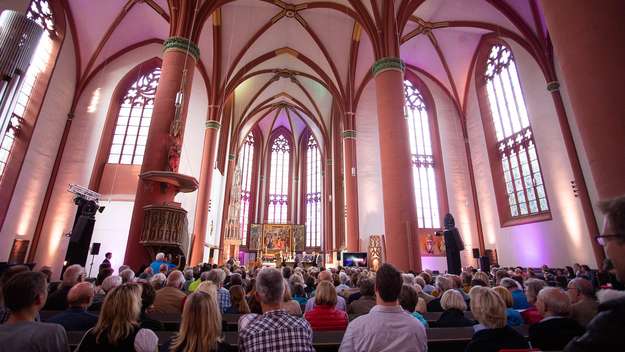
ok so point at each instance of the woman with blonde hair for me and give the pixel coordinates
(118, 326)
(454, 306)
(324, 315)
(513, 315)
(237, 300)
(490, 311)
(200, 326)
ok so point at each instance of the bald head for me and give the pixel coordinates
(552, 301)
(80, 295)
(579, 289)
(325, 276)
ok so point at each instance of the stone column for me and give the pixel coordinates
(211, 135)
(589, 43)
(351, 191)
(400, 215)
(162, 136)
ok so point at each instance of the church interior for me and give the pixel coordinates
(267, 131)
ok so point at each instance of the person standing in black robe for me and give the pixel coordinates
(453, 245)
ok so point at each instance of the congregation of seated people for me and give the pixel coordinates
(283, 309)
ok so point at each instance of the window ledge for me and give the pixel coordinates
(529, 219)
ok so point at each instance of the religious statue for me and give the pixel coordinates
(173, 157)
(453, 244)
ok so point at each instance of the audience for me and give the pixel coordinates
(275, 329)
(217, 276)
(453, 305)
(148, 295)
(76, 316)
(367, 298)
(340, 303)
(160, 260)
(238, 304)
(127, 276)
(169, 299)
(6, 276)
(107, 285)
(494, 335)
(605, 330)
(513, 316)
(442, 284)
(158, 281)
(555, 330)
(519, 301)
(24, 295)
(408, 301)
(325, 316)
(200, 327)
(57, 300)
(118, 326)
(290, 305)
(583, 301)
(532, 287)
(387, 327)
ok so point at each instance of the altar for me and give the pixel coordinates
(277, 243)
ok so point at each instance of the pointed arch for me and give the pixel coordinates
(513, 155)
(248, 158)
(312, 189)
(280, 161)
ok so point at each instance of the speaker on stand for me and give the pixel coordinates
(476, 256)
(95, 250)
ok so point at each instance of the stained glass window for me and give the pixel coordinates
(515, 141)
(133, 120)
(246, 158)
(423, 163)
(277, 209)
(313, 193)
(40, 12)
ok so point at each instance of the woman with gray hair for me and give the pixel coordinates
(532, 288)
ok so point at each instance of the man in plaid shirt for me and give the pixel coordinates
(217, 276)
(275, 330)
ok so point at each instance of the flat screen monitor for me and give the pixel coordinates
(355, 259)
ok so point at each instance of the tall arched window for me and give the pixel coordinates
(246, 159)
(278, 202)
(313, 193)
(133, 120)
(513, 142)
(40, 12)
(423, 163)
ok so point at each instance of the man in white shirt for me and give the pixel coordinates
(387, 327)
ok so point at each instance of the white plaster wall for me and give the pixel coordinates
(111, 231)
(457, 181)
(560, 241)
(21, 218)
(80, 152)
(370, 201)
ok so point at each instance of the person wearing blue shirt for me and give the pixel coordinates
(513, 316)
(519, 301)
(160, 259)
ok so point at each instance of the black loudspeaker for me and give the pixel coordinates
(95, 248)
(485, 263)
(476, 253)
(338, 256)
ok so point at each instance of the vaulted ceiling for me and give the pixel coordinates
(307, 57)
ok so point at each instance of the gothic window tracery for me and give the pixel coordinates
(313, 194)
(246, 158)
(40, 12)
(423, 160)
(133, 120)
(279, 181)
(524, 185)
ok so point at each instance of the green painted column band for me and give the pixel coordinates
(553, 86)
(330, 162)
(349, 134)
(213, 124)
(388, 63)
(182, 44)
(231, 156)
